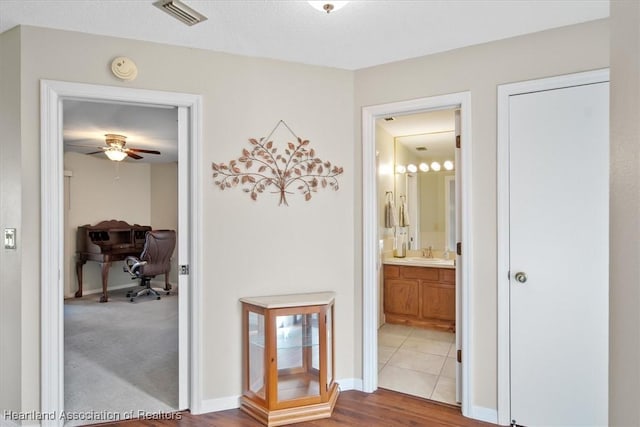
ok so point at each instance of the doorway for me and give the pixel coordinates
(553, 194)
(371, 236)
(416, 155)
(52, 263)
(129, 347)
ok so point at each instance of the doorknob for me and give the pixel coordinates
(521, 277)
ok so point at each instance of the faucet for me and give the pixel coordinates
(427, 252)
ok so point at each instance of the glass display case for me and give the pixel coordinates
(288, 358)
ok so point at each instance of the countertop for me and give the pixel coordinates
(418, 261)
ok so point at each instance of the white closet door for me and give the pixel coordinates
(559, 177)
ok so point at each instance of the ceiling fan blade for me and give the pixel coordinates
(96, 152)
(134, 156)
(139, 150)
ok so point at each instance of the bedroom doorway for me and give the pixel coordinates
(53, 95)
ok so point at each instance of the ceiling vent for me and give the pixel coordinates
(421, 148)
(180, 11)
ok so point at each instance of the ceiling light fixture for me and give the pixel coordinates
(328, 6)
(115, 153)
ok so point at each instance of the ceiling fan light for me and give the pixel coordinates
(115, 154)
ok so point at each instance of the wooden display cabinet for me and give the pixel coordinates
(288, 369)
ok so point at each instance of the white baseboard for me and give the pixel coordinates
(154, 283)
(233, 402)
(480, 413)
(350, 384)
(219, 404)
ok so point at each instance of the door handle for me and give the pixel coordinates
(521, 277)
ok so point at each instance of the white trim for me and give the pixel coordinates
(51, 180)
(350, 384)
(504, 92)
(487, 415)
(219, 404)
(370, 237)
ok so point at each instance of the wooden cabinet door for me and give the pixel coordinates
(438, 301)
(401, 297)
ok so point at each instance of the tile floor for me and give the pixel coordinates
(420, 362)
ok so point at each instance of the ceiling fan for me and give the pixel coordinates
(115, 148)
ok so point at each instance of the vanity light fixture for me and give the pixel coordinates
(448, 165)
(400, 169)
(435, 166)
(116, 154)
(328, 6)
(424, 167)
(412, 168)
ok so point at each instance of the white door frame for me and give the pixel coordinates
(504, 92)
(370, 237)
(52, 93)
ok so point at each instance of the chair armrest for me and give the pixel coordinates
(132, 265)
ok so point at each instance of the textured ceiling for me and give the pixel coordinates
(362, 34)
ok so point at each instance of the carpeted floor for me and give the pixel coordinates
(120, 356)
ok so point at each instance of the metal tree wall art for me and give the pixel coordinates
(262, 167)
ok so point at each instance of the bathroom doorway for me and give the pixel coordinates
(417, 174)
(390, 342)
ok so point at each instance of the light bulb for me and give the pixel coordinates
(400, 169)
(412, 168)
(435, 166)
(115, 154)
(424, 167)
(448, 165)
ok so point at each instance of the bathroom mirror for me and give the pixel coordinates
(424, 173)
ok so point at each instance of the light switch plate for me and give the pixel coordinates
(9, 238)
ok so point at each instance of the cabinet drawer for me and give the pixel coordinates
(423, 273)
(391, 272)
(401, 297)
(447, 275)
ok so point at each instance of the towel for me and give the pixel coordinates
(403, 214)
(390, 219)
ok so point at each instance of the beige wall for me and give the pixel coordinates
(624, 296)
(164, 204)
(480, 69)
(11, 264)
(100, 190)
(250, 248)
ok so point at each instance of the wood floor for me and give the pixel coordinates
(383, 408)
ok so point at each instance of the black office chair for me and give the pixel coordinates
(154, 260)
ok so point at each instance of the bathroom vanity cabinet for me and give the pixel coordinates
(420, 296)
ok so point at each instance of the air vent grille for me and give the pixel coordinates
(180, 11)
(421, 148)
